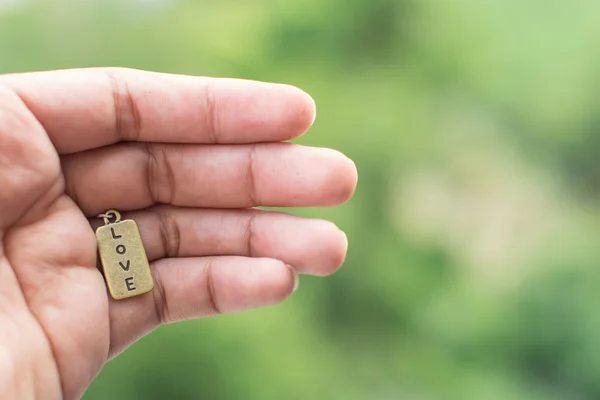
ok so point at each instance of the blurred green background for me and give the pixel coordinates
(474, 233)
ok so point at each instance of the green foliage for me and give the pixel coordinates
(472, 271)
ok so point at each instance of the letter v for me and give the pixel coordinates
(125, 268)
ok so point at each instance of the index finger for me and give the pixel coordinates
(88, 108)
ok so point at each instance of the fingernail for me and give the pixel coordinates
(314, 112)
(296, 277)
(345, 239)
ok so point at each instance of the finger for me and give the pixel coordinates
(89, 108)
(188, 288)
(29, 166)
(135, 176)
(312, 246)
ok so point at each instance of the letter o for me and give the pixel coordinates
(121, 249)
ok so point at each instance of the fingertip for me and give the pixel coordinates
(352, 172)
(303, 111)
(343, 178)
(296, 277)
(263, 282)
(313, 109)
(344, 246)
(280, 281)
(335, 245)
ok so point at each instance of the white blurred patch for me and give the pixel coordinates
(10, 5)
(480, 200)
(134, 9)
(152, 4)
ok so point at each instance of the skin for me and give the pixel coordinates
(188, 158)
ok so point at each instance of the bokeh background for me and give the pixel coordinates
(473, 270)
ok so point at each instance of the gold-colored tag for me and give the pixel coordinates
(126, 269)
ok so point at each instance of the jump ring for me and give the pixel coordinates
(107, 215)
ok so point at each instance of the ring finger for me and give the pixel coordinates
(311, 246)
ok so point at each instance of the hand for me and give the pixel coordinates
(185, 157)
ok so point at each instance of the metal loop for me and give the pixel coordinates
(107, 215)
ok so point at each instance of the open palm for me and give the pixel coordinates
(187, 158)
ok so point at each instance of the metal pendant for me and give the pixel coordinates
(124, 262)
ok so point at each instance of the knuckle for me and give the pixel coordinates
(250, 176)
(159, 173)
(127, 117)
(169, 232)
(250, 233)
(161, 303)
(213, 303)
(213, 128)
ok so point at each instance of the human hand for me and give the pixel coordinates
(185, 157)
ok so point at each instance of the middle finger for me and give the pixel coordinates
(132, 176)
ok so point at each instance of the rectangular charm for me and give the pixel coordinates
(126, 269)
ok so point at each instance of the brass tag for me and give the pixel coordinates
(126, 269)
